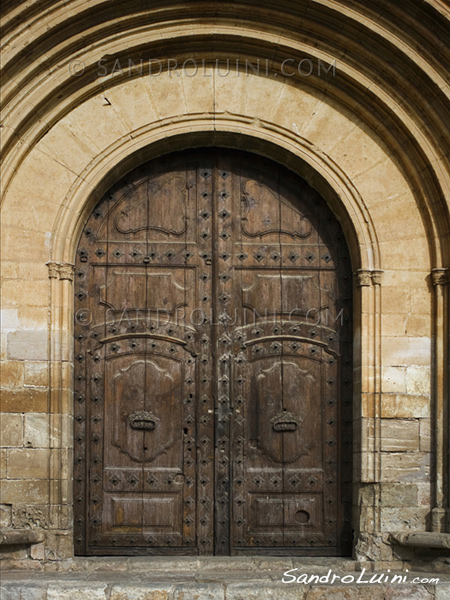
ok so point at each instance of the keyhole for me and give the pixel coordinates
(145, 448)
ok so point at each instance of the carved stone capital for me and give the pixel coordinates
(53, 270)
(364, 277)
(367, 277)
(66, 271)
(60, 270)
(439, 276)
(376, 276)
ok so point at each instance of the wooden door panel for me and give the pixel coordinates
(283, 409)
(154, 289)
(213, 364)
(135, 520)
(285, 396)
(144, 434)
(299, 515)
(142, 394)
(145, 446)
(267, 217)
(151, 211)
(289, 293)
(286, 425)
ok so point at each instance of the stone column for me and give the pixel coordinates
(368, 420)
(60, 419)
(440, 514)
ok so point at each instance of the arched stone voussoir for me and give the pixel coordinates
(370, 99)
(236, 132)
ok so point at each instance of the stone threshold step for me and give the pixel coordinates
(215, 578)
(43, 589)
(159, 564)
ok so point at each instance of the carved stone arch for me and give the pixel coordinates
(340, 194)
(319, 170)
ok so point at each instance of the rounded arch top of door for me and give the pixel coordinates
(213, 364)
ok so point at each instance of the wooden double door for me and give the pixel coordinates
(212, 364)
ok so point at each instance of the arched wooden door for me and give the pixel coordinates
(212, 364)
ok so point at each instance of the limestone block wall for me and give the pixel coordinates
(383, 198)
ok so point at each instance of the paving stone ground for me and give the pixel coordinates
(212, 579)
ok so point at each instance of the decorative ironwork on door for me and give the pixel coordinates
(212, 364)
